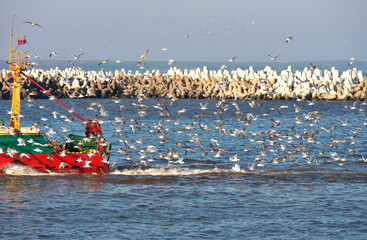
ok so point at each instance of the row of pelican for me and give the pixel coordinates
(200, 83)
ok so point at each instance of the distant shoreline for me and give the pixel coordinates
(92, 65)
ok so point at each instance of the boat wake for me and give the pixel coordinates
(19, 170)
(175, 171)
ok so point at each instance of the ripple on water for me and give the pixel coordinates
(167, 199)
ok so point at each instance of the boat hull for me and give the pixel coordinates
(73, 163)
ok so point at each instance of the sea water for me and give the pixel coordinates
(159, 197)
(162, 66)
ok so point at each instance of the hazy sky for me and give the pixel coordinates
(124, 29)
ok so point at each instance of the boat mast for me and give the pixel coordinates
(17, 63)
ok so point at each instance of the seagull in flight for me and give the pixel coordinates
(289, 39)
(187, 35)
(170, 62)
(141, 66)
(52, 53)
(32, 24)
(143, 56)
(76, 57)
(231, 59)
(273, 58)
(223, 67)
(313, 66)
(104, 61)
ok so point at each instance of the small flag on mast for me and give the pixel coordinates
(21, 42)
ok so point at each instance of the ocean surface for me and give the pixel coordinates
(301, 173)
(89, 65)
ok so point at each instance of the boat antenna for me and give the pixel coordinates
(12, 20)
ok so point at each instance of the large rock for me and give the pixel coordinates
(329, 96)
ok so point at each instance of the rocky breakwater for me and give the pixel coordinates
(195, 83)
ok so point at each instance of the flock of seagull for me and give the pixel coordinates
(307, 138)
(217, 131)
(143, 65)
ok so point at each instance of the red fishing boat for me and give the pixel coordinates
(27, 146)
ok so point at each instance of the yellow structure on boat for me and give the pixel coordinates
(17, 63)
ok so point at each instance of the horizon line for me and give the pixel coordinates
(340, 60)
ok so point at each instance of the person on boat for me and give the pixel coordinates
(89, 131)
(2, 122)
(93, 129)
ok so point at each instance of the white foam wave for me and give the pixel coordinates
(19, 170)
(173, 172)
